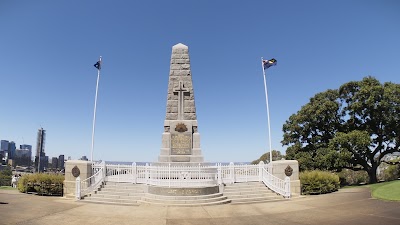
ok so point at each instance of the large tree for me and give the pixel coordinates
(352, 127)
(276, 155)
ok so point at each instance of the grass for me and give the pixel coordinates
(386, 190)
(7, 188)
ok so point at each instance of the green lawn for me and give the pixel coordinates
(386, 190)
(7, 188)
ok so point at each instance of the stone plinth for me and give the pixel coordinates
(85, 171)
(182, 191)
(278, 170)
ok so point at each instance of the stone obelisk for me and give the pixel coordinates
(181, 139)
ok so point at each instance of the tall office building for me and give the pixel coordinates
(25, 147)
(54, 163)
(11, 150)
(4, 145)
(40, 160)
(61, 162)
(23, 157)
(4, 150)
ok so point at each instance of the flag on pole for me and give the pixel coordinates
(269, 63)
(98, 65)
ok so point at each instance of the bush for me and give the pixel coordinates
(5, 181)
(318, 182)
(391, 173)
(48, 184)
(350, 177)
(5, 176)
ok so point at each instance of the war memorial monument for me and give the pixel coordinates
(181, 139)
(180, 177)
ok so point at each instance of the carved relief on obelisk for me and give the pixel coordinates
(180, 140)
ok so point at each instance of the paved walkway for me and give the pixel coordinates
(347, 206)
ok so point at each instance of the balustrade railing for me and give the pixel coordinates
(182, 176)
(276, 184)
(83, 187)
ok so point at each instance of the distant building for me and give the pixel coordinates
(54, 162)
(40, 162)
(4, 145)
(4, 151)
(23, 157)
(61, 162)
(84, 158)
(25, 146)
(45, 162)
(11, 150)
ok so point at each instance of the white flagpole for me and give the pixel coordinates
(266, 100)
(94, 111)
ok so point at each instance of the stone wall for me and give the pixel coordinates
(278, 170)
(85, 171)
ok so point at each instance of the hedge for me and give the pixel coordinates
(318, 182)
(350, 177)
(44, 184)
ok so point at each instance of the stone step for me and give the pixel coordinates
(114, 200)
(264, 190)
(110, 203)
(124, 185)
(246, 189)
(120, 193)
(183, 201)
(258, 200)
(113, 196)
(126, 190)
(252, 183)
(249, 195)
(164, 197)
(240, 185)
(225, 201)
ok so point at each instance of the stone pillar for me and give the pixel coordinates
(73, 168)
(278, 170)
(180, 139)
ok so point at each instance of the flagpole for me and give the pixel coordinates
(266, 101)
(94, 111)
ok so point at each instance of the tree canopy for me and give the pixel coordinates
(276, 155)
(353, 127)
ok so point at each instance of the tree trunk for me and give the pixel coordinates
(372, 175)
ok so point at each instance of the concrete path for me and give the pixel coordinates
(348, 206)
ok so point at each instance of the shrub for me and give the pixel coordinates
(350, 177)
(391, 173)
(318, 182)
(5, 176)
(49, 184)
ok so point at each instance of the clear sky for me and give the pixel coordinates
(47, 78)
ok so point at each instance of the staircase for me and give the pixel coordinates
(135, 194)
(250, 192)
(200, 200)
(117, 194)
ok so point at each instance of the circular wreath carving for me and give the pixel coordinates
(288, 171)
(181, 127)
(75, 171)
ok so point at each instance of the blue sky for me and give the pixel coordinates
(48, 48)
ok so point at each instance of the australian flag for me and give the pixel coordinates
(98, 65)
(268, 63)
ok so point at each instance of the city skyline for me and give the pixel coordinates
(50, 49)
